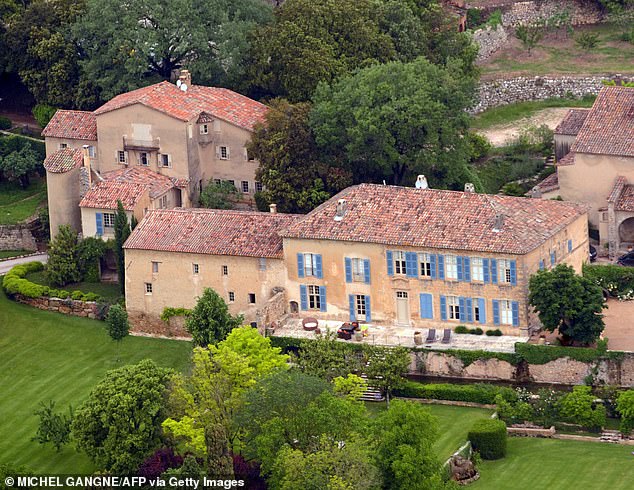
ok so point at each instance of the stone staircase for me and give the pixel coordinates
(611, 436)
(371, 394)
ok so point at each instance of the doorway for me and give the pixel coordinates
(402, 308)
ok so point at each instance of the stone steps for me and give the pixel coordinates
(371, 393)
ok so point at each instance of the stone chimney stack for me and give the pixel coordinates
(469, 187)
(342, 205)
(499, 223)
(185, 77)
(421, 182)
(273, 208)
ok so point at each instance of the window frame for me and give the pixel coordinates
(148, 288)
(231, 296)
(245, 186)
(252, 299)
(121, 156)
(424, 264)
(146, 155)
(477, 269)
(109, 220)
(225, 270)
(155, 267)
(195, 269)
(258, 186)
(313, 298)
(310, 264)
(203, 128)
(506, 310)
(360, 305)
(400, 263)
(223, 152)
(358, 269)
(451, 267)
(453, 308)
(504, 271)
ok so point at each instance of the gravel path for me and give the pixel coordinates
(6, 265)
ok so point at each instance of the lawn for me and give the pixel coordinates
(559, 465)
(46, 356)
(108, 291)
(7, 254)
(17, 204)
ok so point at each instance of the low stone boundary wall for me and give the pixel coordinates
(152, 325)
(86, 309)
(17, 237)
(489, 40)
(431, 401)
(531, 432)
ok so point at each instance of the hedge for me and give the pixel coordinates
(619, 281)
(169, 312)
(294, 344)
(488, 437)
(475, 393)
(470, 356)
(542, 354)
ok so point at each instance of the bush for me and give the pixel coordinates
(587, 40)
(43, 114)
(488, 437)
(479, 146)
(474, 393)
(578, 407)
(461, 329)
(494, 333)
(169, 312)
(617, 280)
(542, 354)
(5, 123)
(14, 282)
(473, 331)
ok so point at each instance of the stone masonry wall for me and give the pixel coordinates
(153, 325)
(581, 12)
(86, 309)
(17, 237)
(489, 41)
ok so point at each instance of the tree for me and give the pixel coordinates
(530, 34)
(569, 303)
(394, 121)
(625, 407)
(62, 267)
(327, 358)
(386, 368)
(403, 438)
(352, 386)
(118, 426)
(18, 165)
(210, 321)
(126, 45)
(221, 195)
(117, 323)
(578, 407)
(121, 234)
(53, 427)
(293, 176)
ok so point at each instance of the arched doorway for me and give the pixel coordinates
(294, 307)
(626, 231)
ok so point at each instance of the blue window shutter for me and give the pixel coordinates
(485, 271)
(322, 298)
(494, 271)
(515, 308)
(569, 246)
(482, 310)
(441, 266)
(319, 274)
(300, 265)
(366, 271)
(303, 295)
(368, 310)
(459, 267)
(552, 258)
(461, 305)
(390, 263)
(542, 266)
(99, 223)
(469, 308)
(411, 264)
(348, 269)
(466, 262)
(443, 308)
(353, 311)
(513, 272)
(426, 308)
(432, 264)
(496, 312)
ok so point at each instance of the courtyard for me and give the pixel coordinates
(619, 325)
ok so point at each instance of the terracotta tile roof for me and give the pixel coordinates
(405, 216)
(549, 184)
(128, 185)
(609, 127)
(571, 124)
(78, 125)
(211, 231)
(567, 159)
(626, 199)
(64, 160)
(168, 98)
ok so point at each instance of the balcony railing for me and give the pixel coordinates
(138, 144)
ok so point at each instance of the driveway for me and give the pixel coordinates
(6, 265)
(619, 325)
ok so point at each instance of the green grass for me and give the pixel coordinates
(559, 465)
(46, 356)
(510, 113)
(6, 254)
(17, 204)
(106, 290)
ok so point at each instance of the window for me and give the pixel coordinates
(258, 187)
(506, 312)
(310, 264)
(360, 304)
(217, 181)
(451, 267)
(223, 153)
(232, 296)
(476, 310)
(245, 186)
(400, 265)
(252, 298)
(143, 159)
(148, 288)
(477, 269)
(108, 220)
(553, 257)
(504, 266)
(155, 267)
(195, 268)
(163, 202)
(262, 264)
(358, 270)
(425, 265)
(248, 155)
(232, 182)
(62, 146)
(225, 270)
(204, 129)
(453, 305)
(121, 156)
(166, 160)
(314, 300)
(92, 152)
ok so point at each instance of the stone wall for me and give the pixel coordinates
(86, 309)
(581, 12)
(499, 92)
(154, 326)
(489, 41)
(17, 237)
(531, 431)
(273, 310)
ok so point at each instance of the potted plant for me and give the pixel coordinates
(418, 338)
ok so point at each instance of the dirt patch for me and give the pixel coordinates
(619, 325)
(505, 133)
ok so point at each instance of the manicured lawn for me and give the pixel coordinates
(17, 204)
(46, 356)
(559, 465)
(107, 290)
(6, 254)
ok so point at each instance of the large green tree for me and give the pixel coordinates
(393, 121)
(569, 303)
(126, 45)
(19, 165)
(119, 424)
(293, 176)
(328, 358)
(62, 266)
(210, 321)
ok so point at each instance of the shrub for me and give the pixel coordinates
(43, 114)
(578, 407)
(461, 329)
(5, 123)
(479, 146)
(513, 189)
(14, 282)
(476, 331)
(77, 295)
(488, 437)
(91, 297)
(473, 393)
(514, 413)
(587, 40)
(117, 322)
(617, 280)
(169, 312)
(494, 333)
(495, 19)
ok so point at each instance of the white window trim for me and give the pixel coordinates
(506, 312)
(313, 298)
(477, 269)
(451, 267)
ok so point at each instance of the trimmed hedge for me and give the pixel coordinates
(488, 437)
(542, 354)
(470, 356)
(475, 393)
(473, 331)
(494, 333)
(294, 344)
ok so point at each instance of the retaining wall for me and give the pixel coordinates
(17, 237)
(86, 309)
(489, 41)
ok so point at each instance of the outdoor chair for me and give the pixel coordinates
(431, 336)
(446, 337)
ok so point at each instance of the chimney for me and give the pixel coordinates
(273, 208)
(341, 209)
(185, 79)
(499, 223)
(421, 182)
(86, 157)
(536, 192)
(469, 187)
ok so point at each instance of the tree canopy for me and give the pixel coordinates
(210, 320)
(61, 267)
(19, 165)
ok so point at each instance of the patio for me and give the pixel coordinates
(404, 336)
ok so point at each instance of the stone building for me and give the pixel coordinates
(187, 133)
(380, 254)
